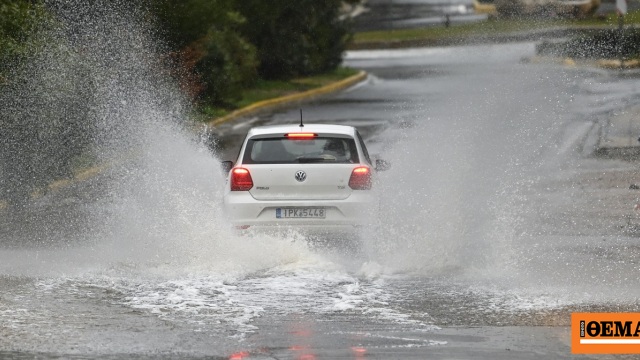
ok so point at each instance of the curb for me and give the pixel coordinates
(618, 64)
(62, 183)
(288, 100)
(481, 8)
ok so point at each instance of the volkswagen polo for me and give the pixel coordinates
(311, 177)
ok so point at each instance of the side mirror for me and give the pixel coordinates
(226, 166)
(382, 165)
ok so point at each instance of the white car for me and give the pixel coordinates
(313, 178)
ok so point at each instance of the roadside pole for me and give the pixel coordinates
(621, 10)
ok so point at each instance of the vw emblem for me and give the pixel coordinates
(301, 175)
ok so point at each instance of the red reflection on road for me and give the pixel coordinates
(303, 352)
(239, 355)
(306, 357)
(359, 352)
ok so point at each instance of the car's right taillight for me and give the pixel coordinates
(360, 178)
(241, 179)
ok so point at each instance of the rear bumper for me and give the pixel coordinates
(359, 209)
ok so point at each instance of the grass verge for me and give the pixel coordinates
(266, 89)
(494, 27)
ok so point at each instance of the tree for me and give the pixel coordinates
(214, 61)
(19, 20)
(227, 65)
(295, 38)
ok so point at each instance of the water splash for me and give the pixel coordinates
(97, 94)
(453, 202)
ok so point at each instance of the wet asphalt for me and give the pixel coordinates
(506, 222)
(558, 116)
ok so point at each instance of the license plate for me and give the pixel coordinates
(300, 212)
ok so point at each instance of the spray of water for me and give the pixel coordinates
(453, 203)
(156, 197)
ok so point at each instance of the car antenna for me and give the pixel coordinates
(301, 124)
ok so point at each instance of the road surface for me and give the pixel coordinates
(498, 223)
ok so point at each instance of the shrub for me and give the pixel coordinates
(226, 65)
(295, 38)
(214, 61)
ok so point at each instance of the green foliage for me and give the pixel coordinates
(19, 20)
(185, 21)
(204, 33)
(225, 44)
(270, 89)
(227, 66)
(295, 38)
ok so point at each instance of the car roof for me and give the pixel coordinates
(316, 128)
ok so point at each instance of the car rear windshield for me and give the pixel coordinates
(294, 151)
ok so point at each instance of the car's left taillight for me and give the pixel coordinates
(241, 179)
(360, 178)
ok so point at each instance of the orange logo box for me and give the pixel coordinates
(605, 333)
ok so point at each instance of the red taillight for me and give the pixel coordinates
(300, 136)
(241, 180)
(360, 178)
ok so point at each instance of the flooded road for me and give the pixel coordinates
(497, 223)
